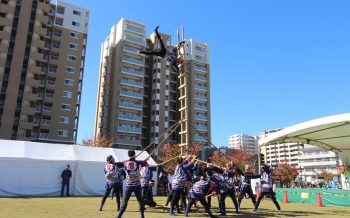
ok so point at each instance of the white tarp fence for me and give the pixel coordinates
(34, 169)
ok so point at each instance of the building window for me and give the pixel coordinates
(74, 35)
(71, 58)
(67, 94)
(70, 69)
(64, 120)
(68, 82)
(75, 23)
(65, 107)
(60, 10)
(73, 46)
(76, 12)
(59, 22)
(63, 133)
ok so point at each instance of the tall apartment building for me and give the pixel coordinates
(42, 54)
(137, 97)
(277, 153)
(247, 143)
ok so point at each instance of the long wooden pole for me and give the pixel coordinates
(165, 139)
(209, 142)
(173, 159)
(159, 137)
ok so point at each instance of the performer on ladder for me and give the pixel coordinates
(266, 181)
(198, 191)
(170, 55)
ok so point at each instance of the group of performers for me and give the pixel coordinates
(189, 181)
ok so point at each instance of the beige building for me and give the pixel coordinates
(137, 98)
(277, 153)
(42, 54)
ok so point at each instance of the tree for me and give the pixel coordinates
(239, 157)
(285, 171)
(328, 176)
(171, 150)
(93, 141)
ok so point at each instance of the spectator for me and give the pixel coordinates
(66, 175)
(256, 188)
(163, 182)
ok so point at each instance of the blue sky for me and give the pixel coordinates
(273, 63)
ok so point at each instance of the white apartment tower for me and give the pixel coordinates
(247, 143)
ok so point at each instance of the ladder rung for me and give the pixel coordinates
(182, 97)
(181, 109)
(183, 144)
(184, 132)
(184, 85)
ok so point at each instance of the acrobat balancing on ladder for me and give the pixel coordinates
(170, 55)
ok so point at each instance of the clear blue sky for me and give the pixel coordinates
(273, 63)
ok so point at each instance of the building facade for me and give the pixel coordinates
(42, 55)
(247, 143)
(137, 98)
(277, 153)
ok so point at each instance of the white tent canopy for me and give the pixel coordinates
(30, 168)
(332, 133)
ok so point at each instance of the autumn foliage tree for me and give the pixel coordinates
(171, 150)
(239, 157)
(285, 171)
(93, 141)
(328, 176)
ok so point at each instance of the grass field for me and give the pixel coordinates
(88, 207)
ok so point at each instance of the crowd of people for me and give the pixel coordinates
(190, 183)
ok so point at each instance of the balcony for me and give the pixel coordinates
(44, 6)
(2, 62)
(128, 129)
(34, 69)
(49, 95)
(5, 35)
(6, 8)
(39, 30)
(36, 56)
(131, 94)
(3, 48)
(43, 136)
(4, 21)
(133, 61)
(202, 78)
(200, 107)
(38, 43)
(30, 96)
(202, 88)
(202, 50)
(200, 59)
(47, 108)
(203, 69)
(135, 29)
(132, 72)
(201, 127)
(129, 117)
(25, 125)
(200, 97)
(37, 109)
(130, 49)
(41, 18)
(32, 82)
(199, 138)
(45, 122)
(130, 106)
(27, 110)
(200, 117)
(131, 83)
(135, 40)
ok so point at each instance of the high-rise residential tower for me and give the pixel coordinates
(138, 95)
(247, 143)
(42, 55)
